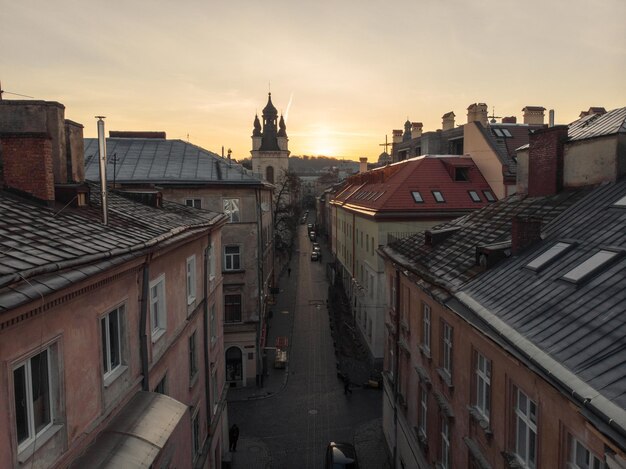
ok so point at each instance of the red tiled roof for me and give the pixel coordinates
(389, 189)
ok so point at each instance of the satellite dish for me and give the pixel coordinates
(265, 206)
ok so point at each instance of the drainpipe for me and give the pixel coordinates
(396, 365)
(259, 358)
(205, 333)
(143, 324)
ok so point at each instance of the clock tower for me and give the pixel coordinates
(270, 153)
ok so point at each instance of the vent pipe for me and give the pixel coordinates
(551, 118)
(102, 148)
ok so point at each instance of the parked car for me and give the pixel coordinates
(315, 255)
(310, 226)
(341, 456)
(316, 246)
(312, 235)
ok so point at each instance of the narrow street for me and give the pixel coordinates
(289, 422)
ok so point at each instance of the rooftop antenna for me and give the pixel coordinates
(384, 144)
(14, 94)
(493, 116)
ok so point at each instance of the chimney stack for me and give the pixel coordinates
(362, 165)
(551, 118)
(447, 121)
(524, 232)
(509, 120)
(545, 161)
(397, 136)
(534, 115)
(102, 149)
(477, 112)
(416, 129)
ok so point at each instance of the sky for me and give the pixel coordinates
(344, 73)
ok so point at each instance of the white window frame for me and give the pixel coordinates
(423, 411)
(483, 385)
(33, 433)
(229, 258)
(193, 202)
(214, 391)
(109, 368)
(445, 443)
(195, 433)
(591, 460)
(231, 209)
(212, 259)
(158, 317)
(426, 326)
(213, 323)
(446, 339)
(193, 356)
(191, 279)
(526, 424)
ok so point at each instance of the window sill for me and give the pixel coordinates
(424, 352)
(446, 378)
(233, 271)
(157, 334)
(481, 420)
(191, 300)
(193, 380)
(26, 453)
(113, 375)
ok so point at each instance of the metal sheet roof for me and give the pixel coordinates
(136, 435)
(161, 161)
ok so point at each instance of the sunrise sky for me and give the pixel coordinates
(344, 73)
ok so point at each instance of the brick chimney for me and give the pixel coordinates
(447, 121)
(545, 161)
(27, 161)
(477, 112)
(363, 164)
(416, 129)
(509, 120)
(525, 231)
(534, 115)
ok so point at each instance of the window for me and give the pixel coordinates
(426, 327)
(445, 443)
(438, 196)
(620, 202)
(461, 174)
(212, 261)
(157, 305)
(547, 256)
(195, 434)
(195, 203)
(269, 174)
(33, 399)
(525, 430)
(215, 398)
(417, 197)
(232, 308)
(231, 208)
(489, 196)
(474, 196)
(423, 411)
(191, 280)
(160, 388)
(392, 292)
(589, 266)
(580, 457)
(507, 133)
(111, 341)
(193, 358)
(446, 356)
(483, 385)
(213, 324)
(498, 133)
(231, 258)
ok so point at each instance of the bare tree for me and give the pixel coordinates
(286, 211)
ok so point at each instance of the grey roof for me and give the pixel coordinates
(161, 161)
(581, 326)
(452, 262)
(46, 249)
(595, 125)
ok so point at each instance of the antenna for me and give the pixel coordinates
(384, 144)
(14, 94)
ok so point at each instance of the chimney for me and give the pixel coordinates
(397, 136)
(551, 118)
(545, 161)
(447, 121)
(477, 112)
(525, 231)
(363, 165)
(509, 120)
(75, 148)
(534, 115)
(27, 160)
(416, 129)
(102, 154)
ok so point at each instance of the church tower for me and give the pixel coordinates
(270, 153)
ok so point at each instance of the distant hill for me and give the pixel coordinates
(314, 164)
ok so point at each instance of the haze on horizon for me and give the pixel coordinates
(343, 73)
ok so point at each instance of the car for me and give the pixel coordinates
(315, 255)
(310, 226)
(316, 246)
(341, 456)
(312, 235)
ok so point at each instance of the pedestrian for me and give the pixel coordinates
(346, 386)
(233, 436)
(288, 271)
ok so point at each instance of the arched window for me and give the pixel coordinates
(269, 174)
(234, 365)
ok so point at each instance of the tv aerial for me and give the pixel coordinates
(14, 94)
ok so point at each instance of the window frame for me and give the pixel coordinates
(417, 197)
(195, 434)
(229, 305)
(158, 321)
(191, 276)
(422, 414)
(523, 418)
(489, 195)
(437, 195)
(426, 327)
(193, 357)
(231, 208)
(592, 460)
(213, 324)
(194, 203)
(482, 400)
(444, 433)
(229, 258)
(447, 333)
(474, 196)
(105, 334)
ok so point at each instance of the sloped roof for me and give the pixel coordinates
(452, 262)
(582, 326)
(161, 161)
(390, 189)
(45, 249)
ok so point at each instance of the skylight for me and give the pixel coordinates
(591, 265)
(498, 132)
(621, 202)
(438, 196)
(474, 195)
(506, 133)
(489, 196)
(548, 256)
(417, 197)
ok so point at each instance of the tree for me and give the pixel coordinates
(286, 211)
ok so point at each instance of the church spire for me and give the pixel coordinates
(257, 127)
(282, 132)
(270, 115)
